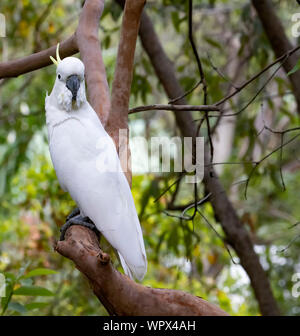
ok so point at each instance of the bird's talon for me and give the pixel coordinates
(78, 220)
(73, 213)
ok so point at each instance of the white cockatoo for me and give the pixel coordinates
(88, 167)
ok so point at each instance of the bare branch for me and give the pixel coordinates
(120, 295)
(170, 107)
(172, 101)
(279, 148)
(37, 60)
(239, 88)
(278, 40)
(118, 117)
(91, 55)
(124, 66)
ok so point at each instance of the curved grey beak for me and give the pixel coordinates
(73, 84)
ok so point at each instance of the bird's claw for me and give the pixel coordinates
(73, 213)
(78, 220)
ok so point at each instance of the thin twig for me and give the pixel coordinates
(264, 158)
(186, 93)
(171, 107)
(246, 83)
(219, 72)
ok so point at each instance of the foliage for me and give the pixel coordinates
(186, 255)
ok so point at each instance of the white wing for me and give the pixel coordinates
(83, 155)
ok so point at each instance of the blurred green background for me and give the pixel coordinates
(182, 255)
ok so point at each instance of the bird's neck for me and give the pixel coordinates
(56, 113)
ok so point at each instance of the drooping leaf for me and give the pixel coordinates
(18, 307)
(38, 272)
(295, 68)
(33, 291)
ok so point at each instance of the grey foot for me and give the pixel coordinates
(78, 220)
(73, 213)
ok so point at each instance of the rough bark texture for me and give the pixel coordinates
(236, 233)
(120, 295)
(278, 40)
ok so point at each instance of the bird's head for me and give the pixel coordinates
(69, 87)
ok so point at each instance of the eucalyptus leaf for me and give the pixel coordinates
(33, 291)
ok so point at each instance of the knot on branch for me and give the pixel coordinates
(104, 257)
(81, 243)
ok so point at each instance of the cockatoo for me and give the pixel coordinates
(88, 167)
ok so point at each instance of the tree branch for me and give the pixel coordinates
(121, 88)
(120, 295)
(169, 107)
(283, 58)
(91, 55)
(38, 60)
(124, 66)
(278, 40)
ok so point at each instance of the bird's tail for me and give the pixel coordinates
(137, 272)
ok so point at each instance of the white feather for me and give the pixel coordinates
(83, 155)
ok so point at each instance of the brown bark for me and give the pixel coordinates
(279, 41)
(124, 67)
(171, 107)
(91, 55)
(236, 233)
(38, 60)
(120, 295)
(121, 87)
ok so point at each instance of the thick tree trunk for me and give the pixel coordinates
(279, 41)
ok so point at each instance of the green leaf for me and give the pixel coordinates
(6, 299)
(26, 282)
(295, 68)
(38, 272)
(213, 43)
(18, 307)
(36, 305)
(176, 20)
(173, 240)
(10, 277)
(33, 291)
(22, 270)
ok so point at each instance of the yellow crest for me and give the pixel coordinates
(57, 60)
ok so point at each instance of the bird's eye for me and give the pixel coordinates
(59, 76)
